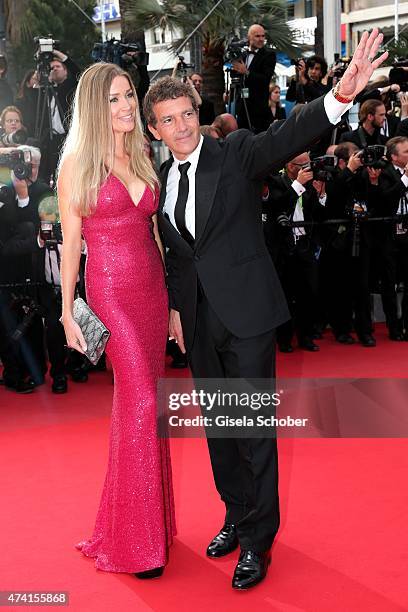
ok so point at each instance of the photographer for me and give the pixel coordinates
(17, 244)
(256, 69)
(11, 122)
(295, 196)
(37, 205)
(63, 76)
(206, 113)
(392, 186)
(308, 83)
(348, 256)
(371, 117)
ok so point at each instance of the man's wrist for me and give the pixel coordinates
(336, 91)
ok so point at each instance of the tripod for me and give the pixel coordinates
(237, 91)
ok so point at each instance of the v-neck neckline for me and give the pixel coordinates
(127, 190)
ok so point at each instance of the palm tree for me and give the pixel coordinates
(127, 27)
(232, 17)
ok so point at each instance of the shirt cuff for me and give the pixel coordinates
(322, 199)
(23, 202)
(404, 179)
(335, 109)
(298, 187)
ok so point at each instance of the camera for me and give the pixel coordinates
(398, 75)
(19, 162)
(373, 156)
(323, 167)
(340, 65)
(51, 233)
(44, 55)
(14, 139)
(236, 50)
(120, 52)
(182, 68)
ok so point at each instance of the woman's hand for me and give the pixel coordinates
(73, 334)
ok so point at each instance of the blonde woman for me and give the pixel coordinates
(107, 191)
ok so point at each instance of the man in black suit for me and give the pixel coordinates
(371, 118)
(225, 297)
(392, 199)
(256, 71)
(295, 195)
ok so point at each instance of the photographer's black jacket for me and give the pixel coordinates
(261, 70)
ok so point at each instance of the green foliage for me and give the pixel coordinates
(398, 49)
(65, 22)
(231, 17)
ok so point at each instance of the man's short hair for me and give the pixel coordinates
(393, 143)
(166, 88)
(345, 149)
(316, 59)
(368, 107)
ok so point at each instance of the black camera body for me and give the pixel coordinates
(44, 55)
(323, 167)
(340, 65)
(236, 50)
(120, 52)
(19, 162)
(373, 156)
(51, 233)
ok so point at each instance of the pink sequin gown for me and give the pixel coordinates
(126, 289)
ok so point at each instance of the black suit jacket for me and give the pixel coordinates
(261, 70)
(355, 136)
(229, 257)
(389, 192)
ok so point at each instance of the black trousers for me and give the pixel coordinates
(245, 470)
(348, 290)
(299, 274)
(395, 269)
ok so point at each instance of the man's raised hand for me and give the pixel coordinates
(362, 65)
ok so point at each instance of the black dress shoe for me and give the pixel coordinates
(59, 384)
(308, 345)
(345, 339)
(286, 348)
(153, 573)
(396, 336)
(20, 386)
(367, 340)
(224, 542)
(251, 569)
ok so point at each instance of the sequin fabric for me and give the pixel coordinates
(126, 289)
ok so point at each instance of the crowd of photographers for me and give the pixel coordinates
(335, 218)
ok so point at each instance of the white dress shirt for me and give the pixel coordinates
(173, 185)
(334, 110)
(403, 203)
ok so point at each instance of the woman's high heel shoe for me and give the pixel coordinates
(153, 573)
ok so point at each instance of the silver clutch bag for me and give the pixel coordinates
(95, 333)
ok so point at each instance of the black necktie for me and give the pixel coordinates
(180, 208)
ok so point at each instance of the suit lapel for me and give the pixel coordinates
(206, 183)
(164, 172)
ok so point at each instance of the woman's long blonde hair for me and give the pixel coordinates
(91, 141)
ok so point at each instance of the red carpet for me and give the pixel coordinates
(343, 541)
